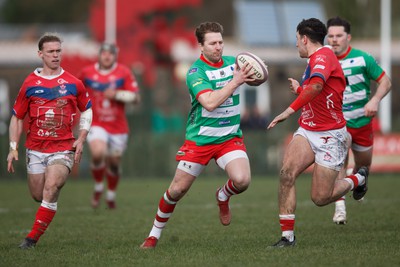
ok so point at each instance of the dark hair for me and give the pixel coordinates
(109, 47)
(207, 27)
(313, 28)
(48, 37)
(338, 21)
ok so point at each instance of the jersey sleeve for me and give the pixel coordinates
(374, 70)
(130, 82)
(197, 81)
(84, 101)
(321, 66)
(21, 103)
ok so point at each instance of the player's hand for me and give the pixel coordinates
(12, 155)
(281, 117)
(240, 76)
(78, 146)
(371, 108)
(293, 85)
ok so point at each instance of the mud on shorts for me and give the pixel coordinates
(330, 147)
(37, 162)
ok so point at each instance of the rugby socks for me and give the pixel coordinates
(112, 181)
(227, 191)
(287, 226)
(354, 180)
(165, 208)
(98, 172)
(98, 175)
(44, 216)
(341, 200)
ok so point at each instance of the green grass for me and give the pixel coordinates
(79, 236)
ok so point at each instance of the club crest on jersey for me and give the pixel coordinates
(62, 90)
(38, 82)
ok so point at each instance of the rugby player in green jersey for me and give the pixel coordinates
(212, 131)
(359, 104)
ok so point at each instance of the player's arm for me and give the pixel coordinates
(384, 86)
(85, 122)
(306, 95)
(15, 131)
(212, 99)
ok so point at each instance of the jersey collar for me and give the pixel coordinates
(345, 54)
(215, 65)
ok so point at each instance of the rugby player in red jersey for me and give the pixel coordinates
(111, 86)
(51, 98)
(322, 138)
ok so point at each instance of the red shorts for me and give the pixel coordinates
(189, 151)
(363, 136)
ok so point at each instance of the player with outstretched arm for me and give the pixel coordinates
(322, 137)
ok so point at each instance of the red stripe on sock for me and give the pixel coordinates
(354, 179)
(287, 224)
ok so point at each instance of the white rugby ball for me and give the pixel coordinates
(257, 64)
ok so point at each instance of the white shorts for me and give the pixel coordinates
(330, 147)
(37, 162)
(116, 143)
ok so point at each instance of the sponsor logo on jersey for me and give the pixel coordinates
(225, 122)
(222, 73)
(320, 58)
(221, 84)
(192, 70)
(318, 66)
(180, 153)
(61, 81)
(39, 91)
(310, 123)
(197, 83)
(38, 82)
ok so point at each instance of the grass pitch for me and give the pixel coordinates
(80, 236)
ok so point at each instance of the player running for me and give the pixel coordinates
(212, 131)
(321, 138)
(359, 105)
(51, 97)
(111, 86)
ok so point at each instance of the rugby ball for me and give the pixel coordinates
(259, 68)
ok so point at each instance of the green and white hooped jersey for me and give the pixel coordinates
(359, 68)
(223, 123)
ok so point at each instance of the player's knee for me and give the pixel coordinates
(37, 197)
(177, 192)
(320, 200)
(114, 169)
(242, 181)
(287, 177)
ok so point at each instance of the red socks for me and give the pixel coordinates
(44, 216)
